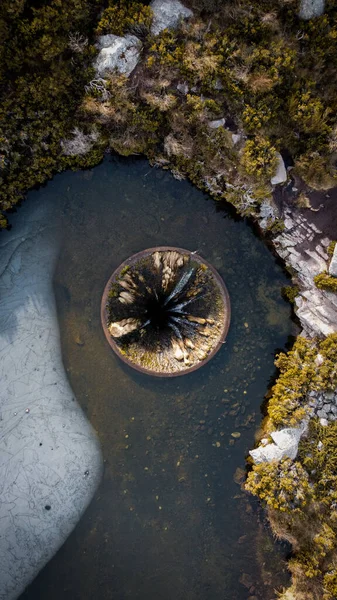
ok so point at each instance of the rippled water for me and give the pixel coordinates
(168, 521)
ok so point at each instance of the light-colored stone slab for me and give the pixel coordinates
(167, 14)
(217, 123)
(281, 173)
(285, 445)
(50, 461)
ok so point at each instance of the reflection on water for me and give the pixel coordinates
(168, 521)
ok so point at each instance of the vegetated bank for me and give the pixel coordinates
(216, 100)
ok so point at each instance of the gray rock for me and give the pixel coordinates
(50, 461)
(281, 173)
(324, 422)
(183, 88)
(167, 14)
(117, 53)
(333, 263)
(268, 213)
(311, 8)
(322, 414)
(236, 138)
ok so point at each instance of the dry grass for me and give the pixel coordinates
(173, 147)
(162, 102)
(259, 82)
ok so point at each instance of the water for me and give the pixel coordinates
(168, 521)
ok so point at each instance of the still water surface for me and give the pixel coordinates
(168, 521)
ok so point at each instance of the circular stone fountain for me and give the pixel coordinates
(165, 311)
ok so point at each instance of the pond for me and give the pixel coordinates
(167, 520)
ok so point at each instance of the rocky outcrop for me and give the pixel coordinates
(304, 250)
(117, 53)
(311, 8)
(50, 461)
(167, 14)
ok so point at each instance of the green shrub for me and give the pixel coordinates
(299, 373)
(282, 485)
(331, 248)
(326, 282)
(289, 292)
(259, 158)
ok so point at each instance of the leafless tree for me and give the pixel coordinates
(77, 42)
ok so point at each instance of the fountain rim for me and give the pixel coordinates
(131, 260)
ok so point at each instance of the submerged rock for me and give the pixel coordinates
(47, 445)
(167, 14)
(115, 52)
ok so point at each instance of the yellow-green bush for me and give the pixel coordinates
(326, 282)
(331, 248)
(283, 485)
(121, 17)
(259, 158)
(299, 373)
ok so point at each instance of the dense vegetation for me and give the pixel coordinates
(270, 75)
(301, 495)
(42, 82)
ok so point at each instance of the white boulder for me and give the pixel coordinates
(285, 445)
(333, 263)
(167, 14)
(117, 53)
(281, 173)
(217, 123)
